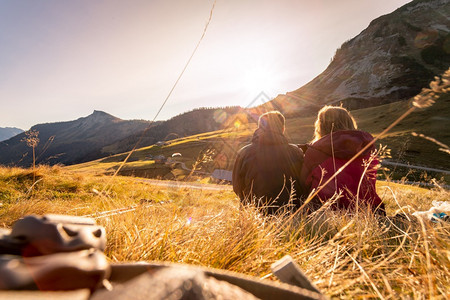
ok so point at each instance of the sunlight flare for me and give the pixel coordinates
(260, 78)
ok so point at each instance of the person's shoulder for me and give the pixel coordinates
(366, 134)
(245, 149)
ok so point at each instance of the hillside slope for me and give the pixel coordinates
(190, 123)
(392, 59)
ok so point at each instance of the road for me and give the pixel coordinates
(391, 163)
(218, 187)
(187, 185)
(384, 162)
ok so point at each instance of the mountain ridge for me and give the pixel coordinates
(101, 134)
(200, 120)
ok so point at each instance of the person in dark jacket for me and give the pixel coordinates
(267, 171)
(336, 141)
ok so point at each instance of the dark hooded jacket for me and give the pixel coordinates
(358, 178)
(265, 169)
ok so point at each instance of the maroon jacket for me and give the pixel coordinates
(264, 170)
(320, 164)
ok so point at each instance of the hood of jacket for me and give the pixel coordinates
(268, 137)
(346, 143)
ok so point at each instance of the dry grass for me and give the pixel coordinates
(345, 256)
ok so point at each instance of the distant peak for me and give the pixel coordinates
(100, 116)
(99, 112)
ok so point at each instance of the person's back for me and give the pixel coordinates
(265, 170)
(337, 141)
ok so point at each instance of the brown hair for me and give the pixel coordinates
(333, 118)
(272, 120)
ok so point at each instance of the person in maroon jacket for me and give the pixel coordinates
(336, 141)
(267, 171)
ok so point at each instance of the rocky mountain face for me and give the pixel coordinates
(392, 59)
(9, 132)
(69, 142)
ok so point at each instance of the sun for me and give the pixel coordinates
(260, 78)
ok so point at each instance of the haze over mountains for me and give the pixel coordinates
(9, 132)
(391, 60)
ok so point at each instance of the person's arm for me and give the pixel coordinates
(303, 147)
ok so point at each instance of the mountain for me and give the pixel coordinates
(70, 142)
(101, 134)
(8, 132)
(392, 59)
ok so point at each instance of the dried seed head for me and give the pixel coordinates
(424, 99)
(438, 86)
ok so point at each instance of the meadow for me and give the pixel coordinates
(346, 256)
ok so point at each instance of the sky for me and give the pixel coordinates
(61, 60)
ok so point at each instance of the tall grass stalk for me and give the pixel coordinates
(32, 140)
